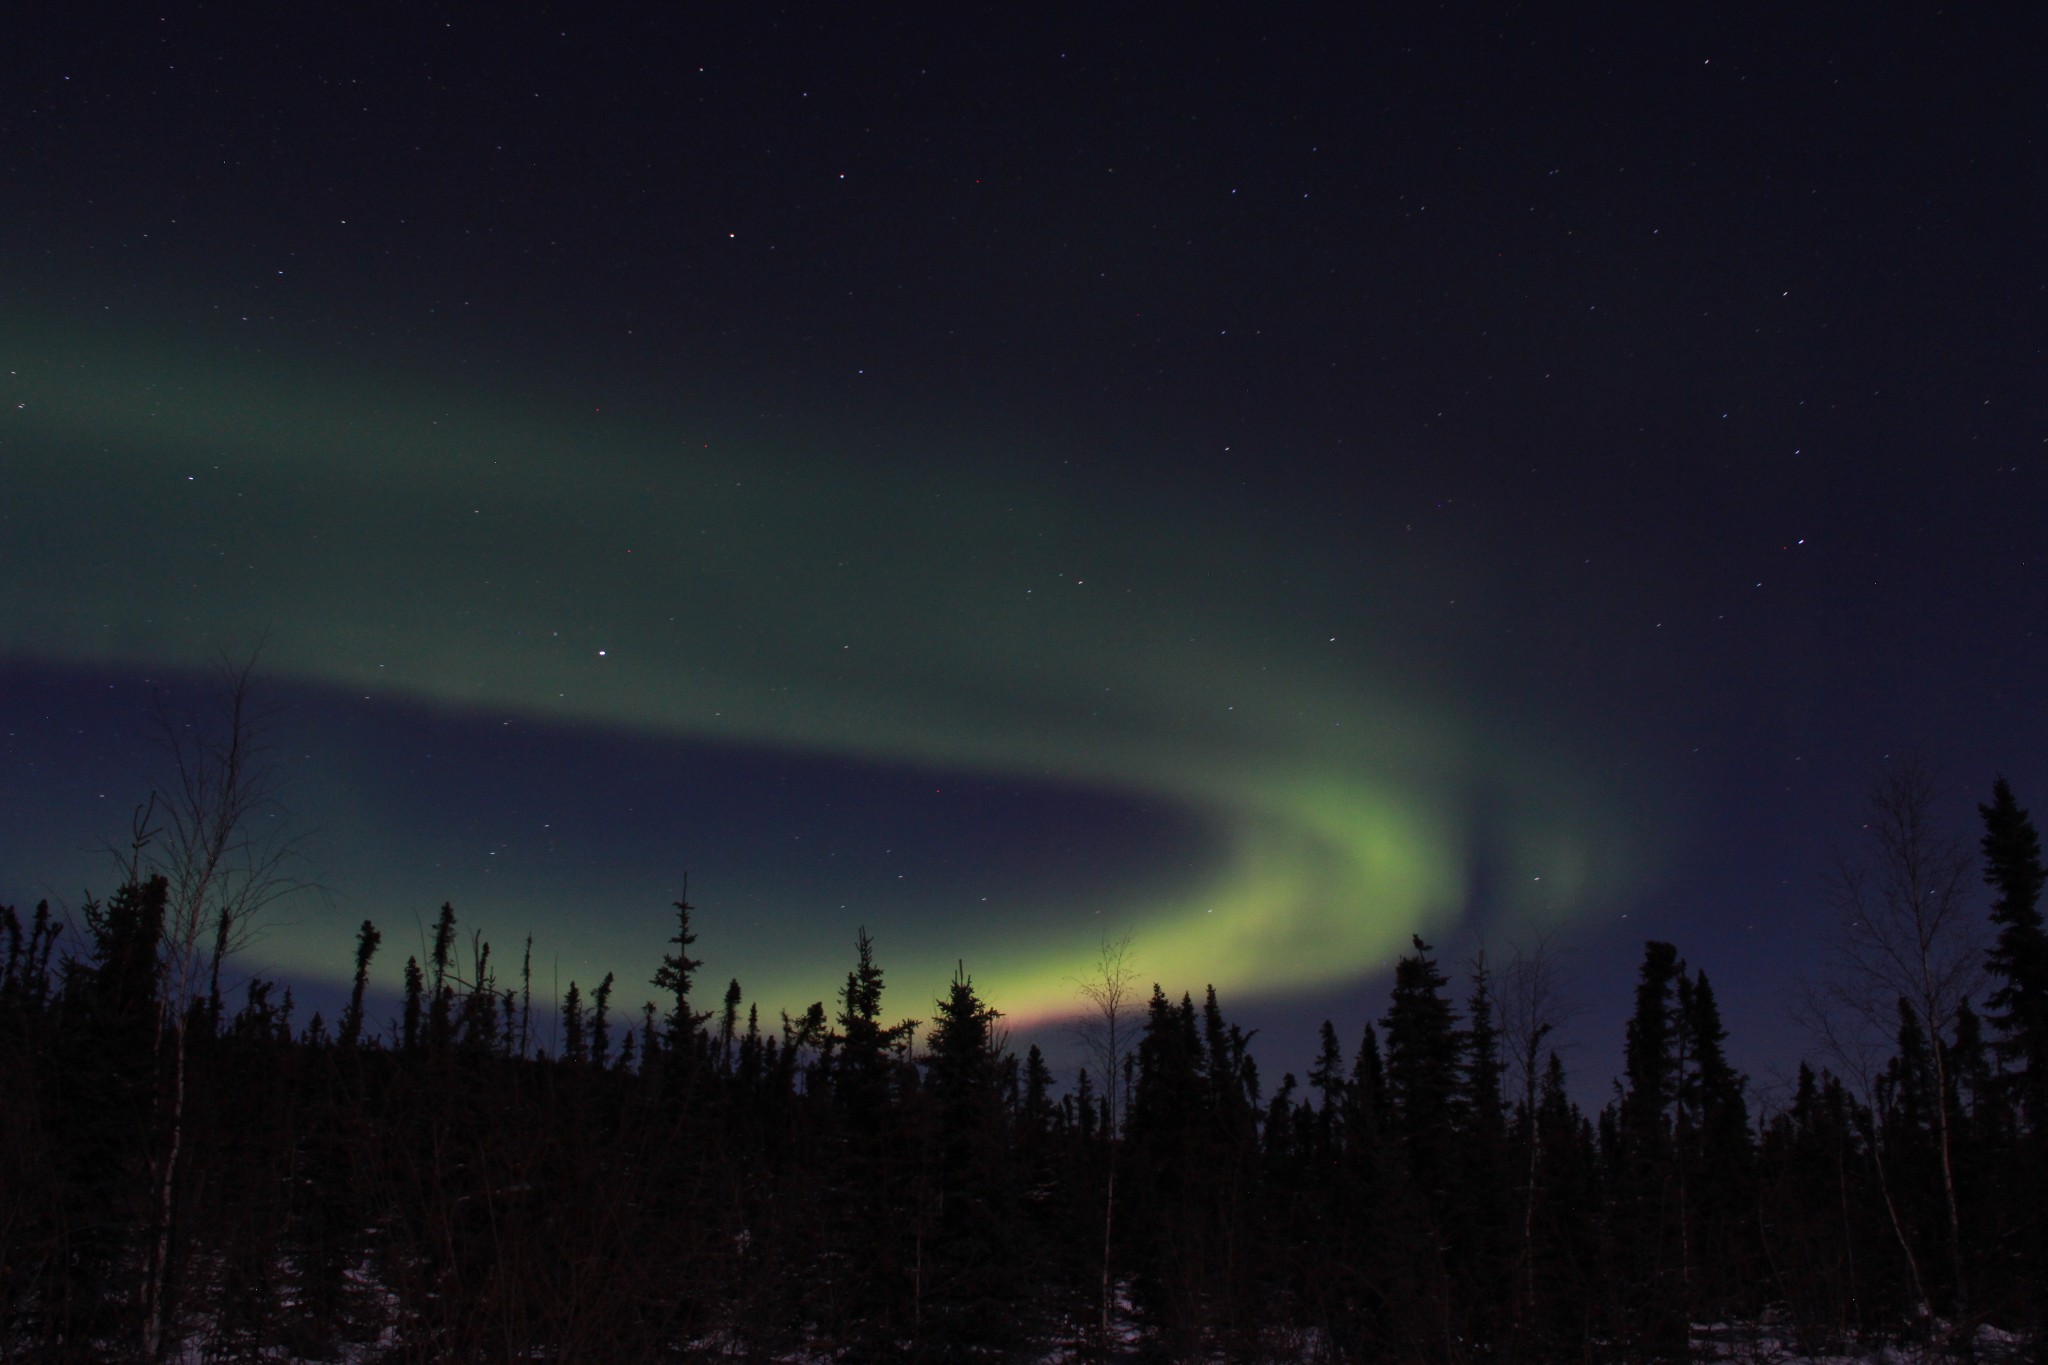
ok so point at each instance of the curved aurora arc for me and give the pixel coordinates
(548, 565)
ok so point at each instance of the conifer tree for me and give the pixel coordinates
(1991, 1176)
(1566, 1289)
(973, 1297)
(1423, 1063)
(575, 1049)
(874, 1215)
(750, 1050)
(1717, 1158)
(525, 999)
(600, 1022)
(1483, 1226)
(1036, 1114)
(1649, 1235)
(1367, 1113)
(678, 969)
(650, 1040)
(367, 939)
(415, 985)
(1327, 1077)
(863, 1044)
(728, 1024)
(1650, 1057)
(1166, 1125)
(1905, 1145)
(478, 1016)
(26, 983)
(2019, 957)
(441, 1003)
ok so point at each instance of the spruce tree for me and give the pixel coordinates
(864, 1047)
(367, 939)
(600, 1022)
(873, 1213)
(1650, 1062)
(1649, 1234)
(415, 985)
(1367, 1114)
(728, 1024)
(478, 1018)
(2019, 1013)
(1425, 1050)
(1717, 1162)
(1483, 1226)
(1036, 1115)
(1566, 1289)
(678, 969)
(971, 1302)
(575, 1049)
(1327, 1077)
(1167, 1132)
(2019, 958)
(102, 1098)
(441, 1003)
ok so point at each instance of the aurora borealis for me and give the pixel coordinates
(1005, 483)
(493, 564)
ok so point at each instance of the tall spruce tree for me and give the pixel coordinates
(1650, 1055)
(1368, 1115)
(678, 969)
(367, 939)
(1715, 1159)
(1649, 1235)
(103, 1099)
(2019, 1013)
(2019, 957)
(864, 1048)
(1167, 1137)
(1484, 1227)
(600, 1022)
(969, 1284)
(728, 1024)
(441, 999)
(1327, 1078)
(1424, 1063)
(575, 1047)
(415, 988)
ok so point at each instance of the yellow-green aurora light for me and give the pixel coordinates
(951, 607)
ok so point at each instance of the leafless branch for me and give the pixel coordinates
(1110, 990)
(1531, 1005)
(223, 838)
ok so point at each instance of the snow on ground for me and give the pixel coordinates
(1766, 1344)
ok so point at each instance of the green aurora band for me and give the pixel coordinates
(497, 557)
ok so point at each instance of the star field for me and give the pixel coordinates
(1273, 489)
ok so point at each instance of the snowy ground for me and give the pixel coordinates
(1763, 1344)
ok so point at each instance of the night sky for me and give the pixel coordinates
(1266, 485)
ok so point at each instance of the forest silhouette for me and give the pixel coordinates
(682, 1183)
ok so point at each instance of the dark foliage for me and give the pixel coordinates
(438, 1189)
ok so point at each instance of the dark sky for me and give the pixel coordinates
(1265, 485)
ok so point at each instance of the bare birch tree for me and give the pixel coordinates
(1856, 1053)
(218, 834)
(1105, 1033)
(1531, 1007)
(1907, 939)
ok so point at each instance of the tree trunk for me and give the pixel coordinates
(158, 1269)
(1884, 1187)
(1948, 1172)
(1108, 1219)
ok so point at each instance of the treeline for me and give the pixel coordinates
(183, 1178)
